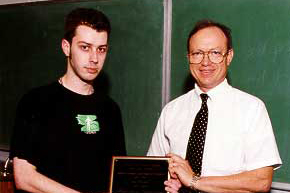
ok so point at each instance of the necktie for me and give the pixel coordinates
(196, 140)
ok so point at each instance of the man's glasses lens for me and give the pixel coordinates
(214, 56)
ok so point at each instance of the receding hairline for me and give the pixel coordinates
(205, 23)
(211, 27)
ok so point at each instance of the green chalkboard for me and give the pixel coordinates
(261, 65)
(30, 55)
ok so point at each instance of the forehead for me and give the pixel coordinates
(208, 38)
(89, 35)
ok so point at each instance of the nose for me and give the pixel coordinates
(205, 61)
(94, 56)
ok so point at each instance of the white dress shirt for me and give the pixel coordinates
(239, 133)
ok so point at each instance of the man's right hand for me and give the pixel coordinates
(180, 168)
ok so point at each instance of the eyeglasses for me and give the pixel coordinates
(214, 56)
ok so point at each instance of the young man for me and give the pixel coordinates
(66, 132)
(230, 146)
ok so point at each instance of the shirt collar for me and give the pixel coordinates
(214, 92)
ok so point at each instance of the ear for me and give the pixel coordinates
(230, 56)
(65, 45)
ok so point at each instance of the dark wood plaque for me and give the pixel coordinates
(138, 174)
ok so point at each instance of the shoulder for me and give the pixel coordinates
(245, 99)
(180, 103)
(41, 94)
(43, 90)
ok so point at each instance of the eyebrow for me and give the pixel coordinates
(198, 50)
(83, 42)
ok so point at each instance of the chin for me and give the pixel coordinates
(88, 80)
(91, 77)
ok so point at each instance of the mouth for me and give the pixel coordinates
(92, 70)
(206, 72)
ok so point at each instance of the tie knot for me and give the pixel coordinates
(204, 97)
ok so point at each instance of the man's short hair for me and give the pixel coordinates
(88, 17)
(209, 23)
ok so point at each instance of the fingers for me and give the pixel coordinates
(172, 172)
(177, 165)
(175, 182)
(180, 169)
(175, 158)
(22, 163)
(172, 185)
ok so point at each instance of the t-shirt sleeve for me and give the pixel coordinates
(261, 148)
(22, 138)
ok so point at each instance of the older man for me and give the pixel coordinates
(219, 138)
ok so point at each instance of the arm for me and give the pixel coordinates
(27, 178)
(258, 180)
(159, 145)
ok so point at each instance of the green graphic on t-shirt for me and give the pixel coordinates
(90, 125)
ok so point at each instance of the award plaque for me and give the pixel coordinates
(138, 174)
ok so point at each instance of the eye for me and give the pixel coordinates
(84, 47)
(215, 53)
(196, 54)
(102, 49)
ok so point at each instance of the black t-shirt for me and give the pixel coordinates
(69, 137)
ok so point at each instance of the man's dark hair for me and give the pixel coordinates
(209, 23)
(88, 17)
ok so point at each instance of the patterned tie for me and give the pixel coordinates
(196, 140)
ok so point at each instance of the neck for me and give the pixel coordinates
(76, 85)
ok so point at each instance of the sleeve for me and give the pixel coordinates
(22, 138)
(159, 144)
(261, 148)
